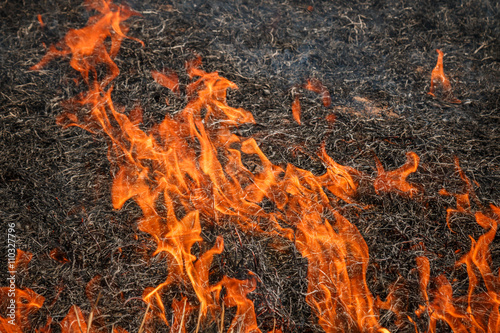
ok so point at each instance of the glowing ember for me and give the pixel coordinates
(440, 82)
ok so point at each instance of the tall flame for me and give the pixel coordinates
(479, 310)
(188, 172)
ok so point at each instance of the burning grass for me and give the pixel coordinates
(233, 240)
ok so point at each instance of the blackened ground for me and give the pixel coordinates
(374, 57)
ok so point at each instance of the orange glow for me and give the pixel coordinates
(39, 17)
(439, 81)
(26, 302)
(58, 255)
(169, 80)
(177, 165)
(479, 310)
(296, 109)
(337, 261)
(462, 199)
(87, 46)
(236, 295)
(74, 322)
(395, 181)
(188, 173)
(318, 87)
(22, 260)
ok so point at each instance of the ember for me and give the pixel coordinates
(212, 218)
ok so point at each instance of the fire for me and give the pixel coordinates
(177, 165)
(318, 87)
(395, 180)
(439, 81)
(296, 109)
(87, 46)
(19, 305)
(462, 199)
(169, 80)
(188, 173)
(479, 310)
(40, 20)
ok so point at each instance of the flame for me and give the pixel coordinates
(296, 109)
(479, 311)
(19, 305)
(74, 322)
(169, 80)
(22, 260)
(58, 255)
(318, 87)
(245, 320)
(441, 82)
(40, 20)
(336, 274)
(389, 181)
(188, 173)
(87, 46)
(177, 165)
(462, 199)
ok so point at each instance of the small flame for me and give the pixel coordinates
(40, 20)
(168, 79)
(245, 320)
(463, 199)
(439, 81)
(58, 255)
(389, 181)
(22, 260)
(19, 305)
(75, 322)
(318, 87)
(296, 109)
(87, 45)
(479, 311)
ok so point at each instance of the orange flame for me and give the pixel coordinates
(338, 260)
(169, 80)
(389, 181)
(188, 172)
(177, 165)
(58, 255)
(479, 311)
(318, 87)
(74, 322)
(463, 199)
(87, 45)
(22, 260)
(40, 20)
(19, 305)
(236, 295)
(296, 109)
(440, 81)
